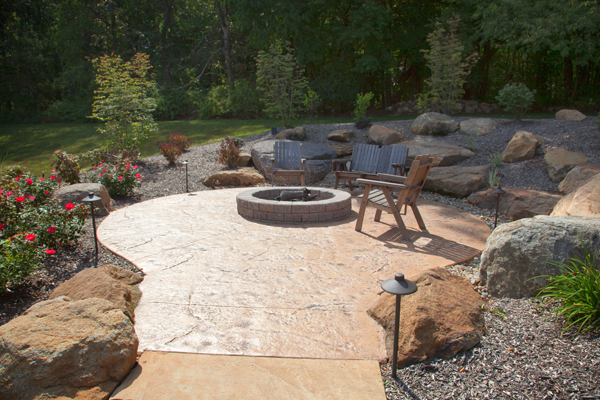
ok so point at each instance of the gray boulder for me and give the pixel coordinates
(383, 135)
(443, 154)
(478, 126)
(342, 135)
(518, 254)
(521, 147)
(298, 134)
(433, 124)
(76, 192)
(571, 115)
(318, 160)
(456, 181)
(582, 202)
(560, 161)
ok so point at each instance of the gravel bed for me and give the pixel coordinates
(522, 355)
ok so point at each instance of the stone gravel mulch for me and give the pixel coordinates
(522, 355)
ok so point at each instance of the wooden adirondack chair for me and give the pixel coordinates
(287, 160)
(368, 160)
(378, 194)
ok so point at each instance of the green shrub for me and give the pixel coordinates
(363, 101)
(311, 104)
(229, 152)
(67, 166)
(515, 98)
(32, 224)
(120, 178)
(576, 292)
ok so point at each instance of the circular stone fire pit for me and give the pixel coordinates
(259, 204)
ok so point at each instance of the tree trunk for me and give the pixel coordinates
(568, 78)
(222, 13)
(165, 37)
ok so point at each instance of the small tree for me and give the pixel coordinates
(515, 98)
(363, 101)
(123, 102)
(311, 103)
(281, 80)
(448, 68)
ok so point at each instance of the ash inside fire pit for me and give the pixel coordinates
(261, 205)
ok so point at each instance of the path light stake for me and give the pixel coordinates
(399, 287)
(91, 198)
(186, 176)
(499, 192)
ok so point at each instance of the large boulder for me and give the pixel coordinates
(342, 150)
(443, 317)
(318, 160)
(519, 254)
(76, 192)
(560, 161)
(67, 349)
(243, 160)
(456, 181)
(342, 135)
(235, 177)
(571, 115)
(443, 154)
(521, 147)
(517, 203)
(433, 124)
(384, 135)
(292, 134)
(108, 282)
(578, 176)
(583, 202)
(478, 126)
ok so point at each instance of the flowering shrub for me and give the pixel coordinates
(32, 225)
(67, 166)
(120, 178)
(229, 152)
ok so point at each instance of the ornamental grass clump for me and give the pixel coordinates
(575, 293)
(32, 224)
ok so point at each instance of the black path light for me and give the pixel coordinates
(399, 287)
(499, 192)
(91, 198)
(186, 175)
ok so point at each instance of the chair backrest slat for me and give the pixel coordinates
(287, 154)
(371, 158)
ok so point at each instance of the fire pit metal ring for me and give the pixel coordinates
(259, 204)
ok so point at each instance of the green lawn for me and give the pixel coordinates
(32, 145)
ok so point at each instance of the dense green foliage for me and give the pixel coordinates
(515, 98)
(576, 292)
(346, 47)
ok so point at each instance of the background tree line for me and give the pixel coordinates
(204, 52)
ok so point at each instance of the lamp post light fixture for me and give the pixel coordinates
(499, 192)
(399, 287)
(91, 198)
(186, 175)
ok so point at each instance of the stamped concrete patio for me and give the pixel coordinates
(217, 283)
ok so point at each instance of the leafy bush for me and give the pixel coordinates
(32, 224)
(181, 141)
(515, 98)
(67, 166)
(311, 104)
(170, 150)
(576, 292)
(120, 178)
(363, 101)
(229, 152)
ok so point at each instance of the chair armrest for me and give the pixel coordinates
(390, 185)
(392, 178)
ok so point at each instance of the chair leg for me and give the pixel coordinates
(302, 179)
(363, 208)
(418, 217)
(335, 184)
(377, 215)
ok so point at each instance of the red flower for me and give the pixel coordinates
(52, 229)
(110, 176)
(120, 178)
(1, 226)
(41, 179)
(17, 178)
(52, 177)
(47, 191)
(135, 167)
(104, 170)
(95, 167)
(50, 251)
(100, 164)
(127, 166)
(100, 175)
(30, 197)
(29, 181)
(69, 206)
(20, 199)
(30, 237)
(138, 176)
(9, 193)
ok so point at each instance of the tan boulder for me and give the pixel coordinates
(443, 154)
(521, 147)
(244, 159)
(442, 318)
(298, 134)
(238, 177)
(582, 202)
(578, 176)
(66, 349)
(560, 161)
(384, 135)
(76, 192)
(516, 203)
(571, 115)
(342, 150)
(108, 282)
(433, 123)
(478, 126)
(341, 135)
(455, 180)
